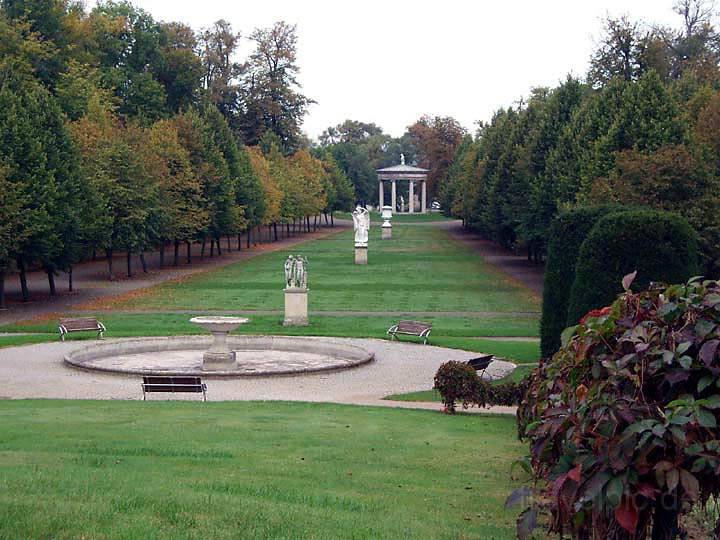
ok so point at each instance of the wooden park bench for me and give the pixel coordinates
(173, 385)
(481, 363)
(80, 324)
(411, 328)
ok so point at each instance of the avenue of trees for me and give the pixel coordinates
(642, 129)
(119, 133)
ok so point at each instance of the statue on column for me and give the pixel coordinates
(361, 221)
(402, 159)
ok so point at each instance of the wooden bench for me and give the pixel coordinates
(173, 385)
(481, 363)
(411, 328)
(80, 324)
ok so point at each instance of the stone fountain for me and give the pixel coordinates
(219, 357)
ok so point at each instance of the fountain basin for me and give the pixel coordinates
(183, 355)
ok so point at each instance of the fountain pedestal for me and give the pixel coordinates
(219, 357)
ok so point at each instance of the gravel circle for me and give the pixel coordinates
(38, 371)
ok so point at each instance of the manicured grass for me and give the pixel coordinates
(401, 218)
(133, 470)
(13, 341)
(453, 332)
(420, 269)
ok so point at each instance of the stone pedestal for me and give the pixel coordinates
(361, 256)
(296, 307)
(386, 232)
(219, 356)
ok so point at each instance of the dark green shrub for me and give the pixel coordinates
(567, 233)
(456, 381)
(660, 246)
(624, 421)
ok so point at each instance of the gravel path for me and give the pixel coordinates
(37, 371)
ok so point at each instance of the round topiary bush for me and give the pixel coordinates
(660, 246)
(623, 421)
(567, 233)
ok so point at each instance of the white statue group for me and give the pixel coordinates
(296, 272)
(361, 221)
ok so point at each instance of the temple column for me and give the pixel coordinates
(394, 197)
(423, 198)
(381, 190)
(411, 208)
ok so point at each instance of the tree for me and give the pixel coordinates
(271, 92)
(218, 45)
(40, 172)
(617, 54)
(436, 140)
(183, 212)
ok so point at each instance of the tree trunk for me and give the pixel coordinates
(176, 253)
(259, 235)
(51, 282)
(315, 223)
(162, 254)
(109, 256)
(239, 241)
(2, 288)
(228, 243)
(188, 246)
(332, 220)
(70, 278)
(128, 260)
(217, 243)
(665, 517)
(143, 262)
(202, 250)
(249, 233)
(23, 280)
(212, 248)
(275, 231)
(94, 255)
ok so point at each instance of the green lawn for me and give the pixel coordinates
(134, 470)
(420, 269)
(401, 218)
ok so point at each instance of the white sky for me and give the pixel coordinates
(391, 61)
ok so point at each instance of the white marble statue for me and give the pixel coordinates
(296, 272)
(402, 159)
(361, 220)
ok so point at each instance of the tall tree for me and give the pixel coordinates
(271, 91)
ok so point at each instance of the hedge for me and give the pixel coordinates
(660, 246)
(567, 233)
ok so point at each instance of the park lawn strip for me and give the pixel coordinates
(14, 341)
(429, 217)
(255, 470)
(453, 333)
(421, 269)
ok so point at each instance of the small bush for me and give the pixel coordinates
(567, 233)
(457, 381)
(660, 246)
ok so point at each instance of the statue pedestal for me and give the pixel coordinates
(361, 256)
(296, 307)
(386, 232)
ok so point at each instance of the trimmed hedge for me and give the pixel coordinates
(567, 233)
(660, 246)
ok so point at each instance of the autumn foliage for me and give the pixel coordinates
(623, 421)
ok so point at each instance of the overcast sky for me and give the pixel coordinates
(391, 61)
